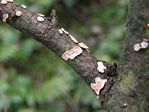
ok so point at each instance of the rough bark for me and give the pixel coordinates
(130, 92)
(47, 33)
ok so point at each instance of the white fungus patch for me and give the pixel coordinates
(4, 2)
(60, 31)
(40, 18)
(5, 17)
(71, 54)
(101, 68)
(137, 47)
(144, 45)
(24, 6)
(19, 13)
(73, 39)
(9, 0)
(84, 46)
(41, 15)
(125, 105)
(148, 25)
(64, 31)
(65, 55)
(98, 85)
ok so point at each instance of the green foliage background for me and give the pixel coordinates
(33, 79)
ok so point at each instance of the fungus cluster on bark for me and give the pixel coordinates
(143, 45)
(24, 6)
(101, 68)
(82, 45)
(62, 30)
(99, 82)
(40, 17)
(18, 13)
(5, 1)
(87, 65)
(71, 54)
(98, 85)
(75, 51)
(5, 17)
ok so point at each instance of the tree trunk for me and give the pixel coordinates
(131, 94)
(126, 91)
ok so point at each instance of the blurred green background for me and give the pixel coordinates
(33, 79)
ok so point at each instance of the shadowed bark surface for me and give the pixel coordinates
(130, 93)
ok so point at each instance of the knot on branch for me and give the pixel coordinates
(53, 18)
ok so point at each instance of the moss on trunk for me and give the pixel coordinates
(131, 93)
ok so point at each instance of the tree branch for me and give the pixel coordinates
(47, 31)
